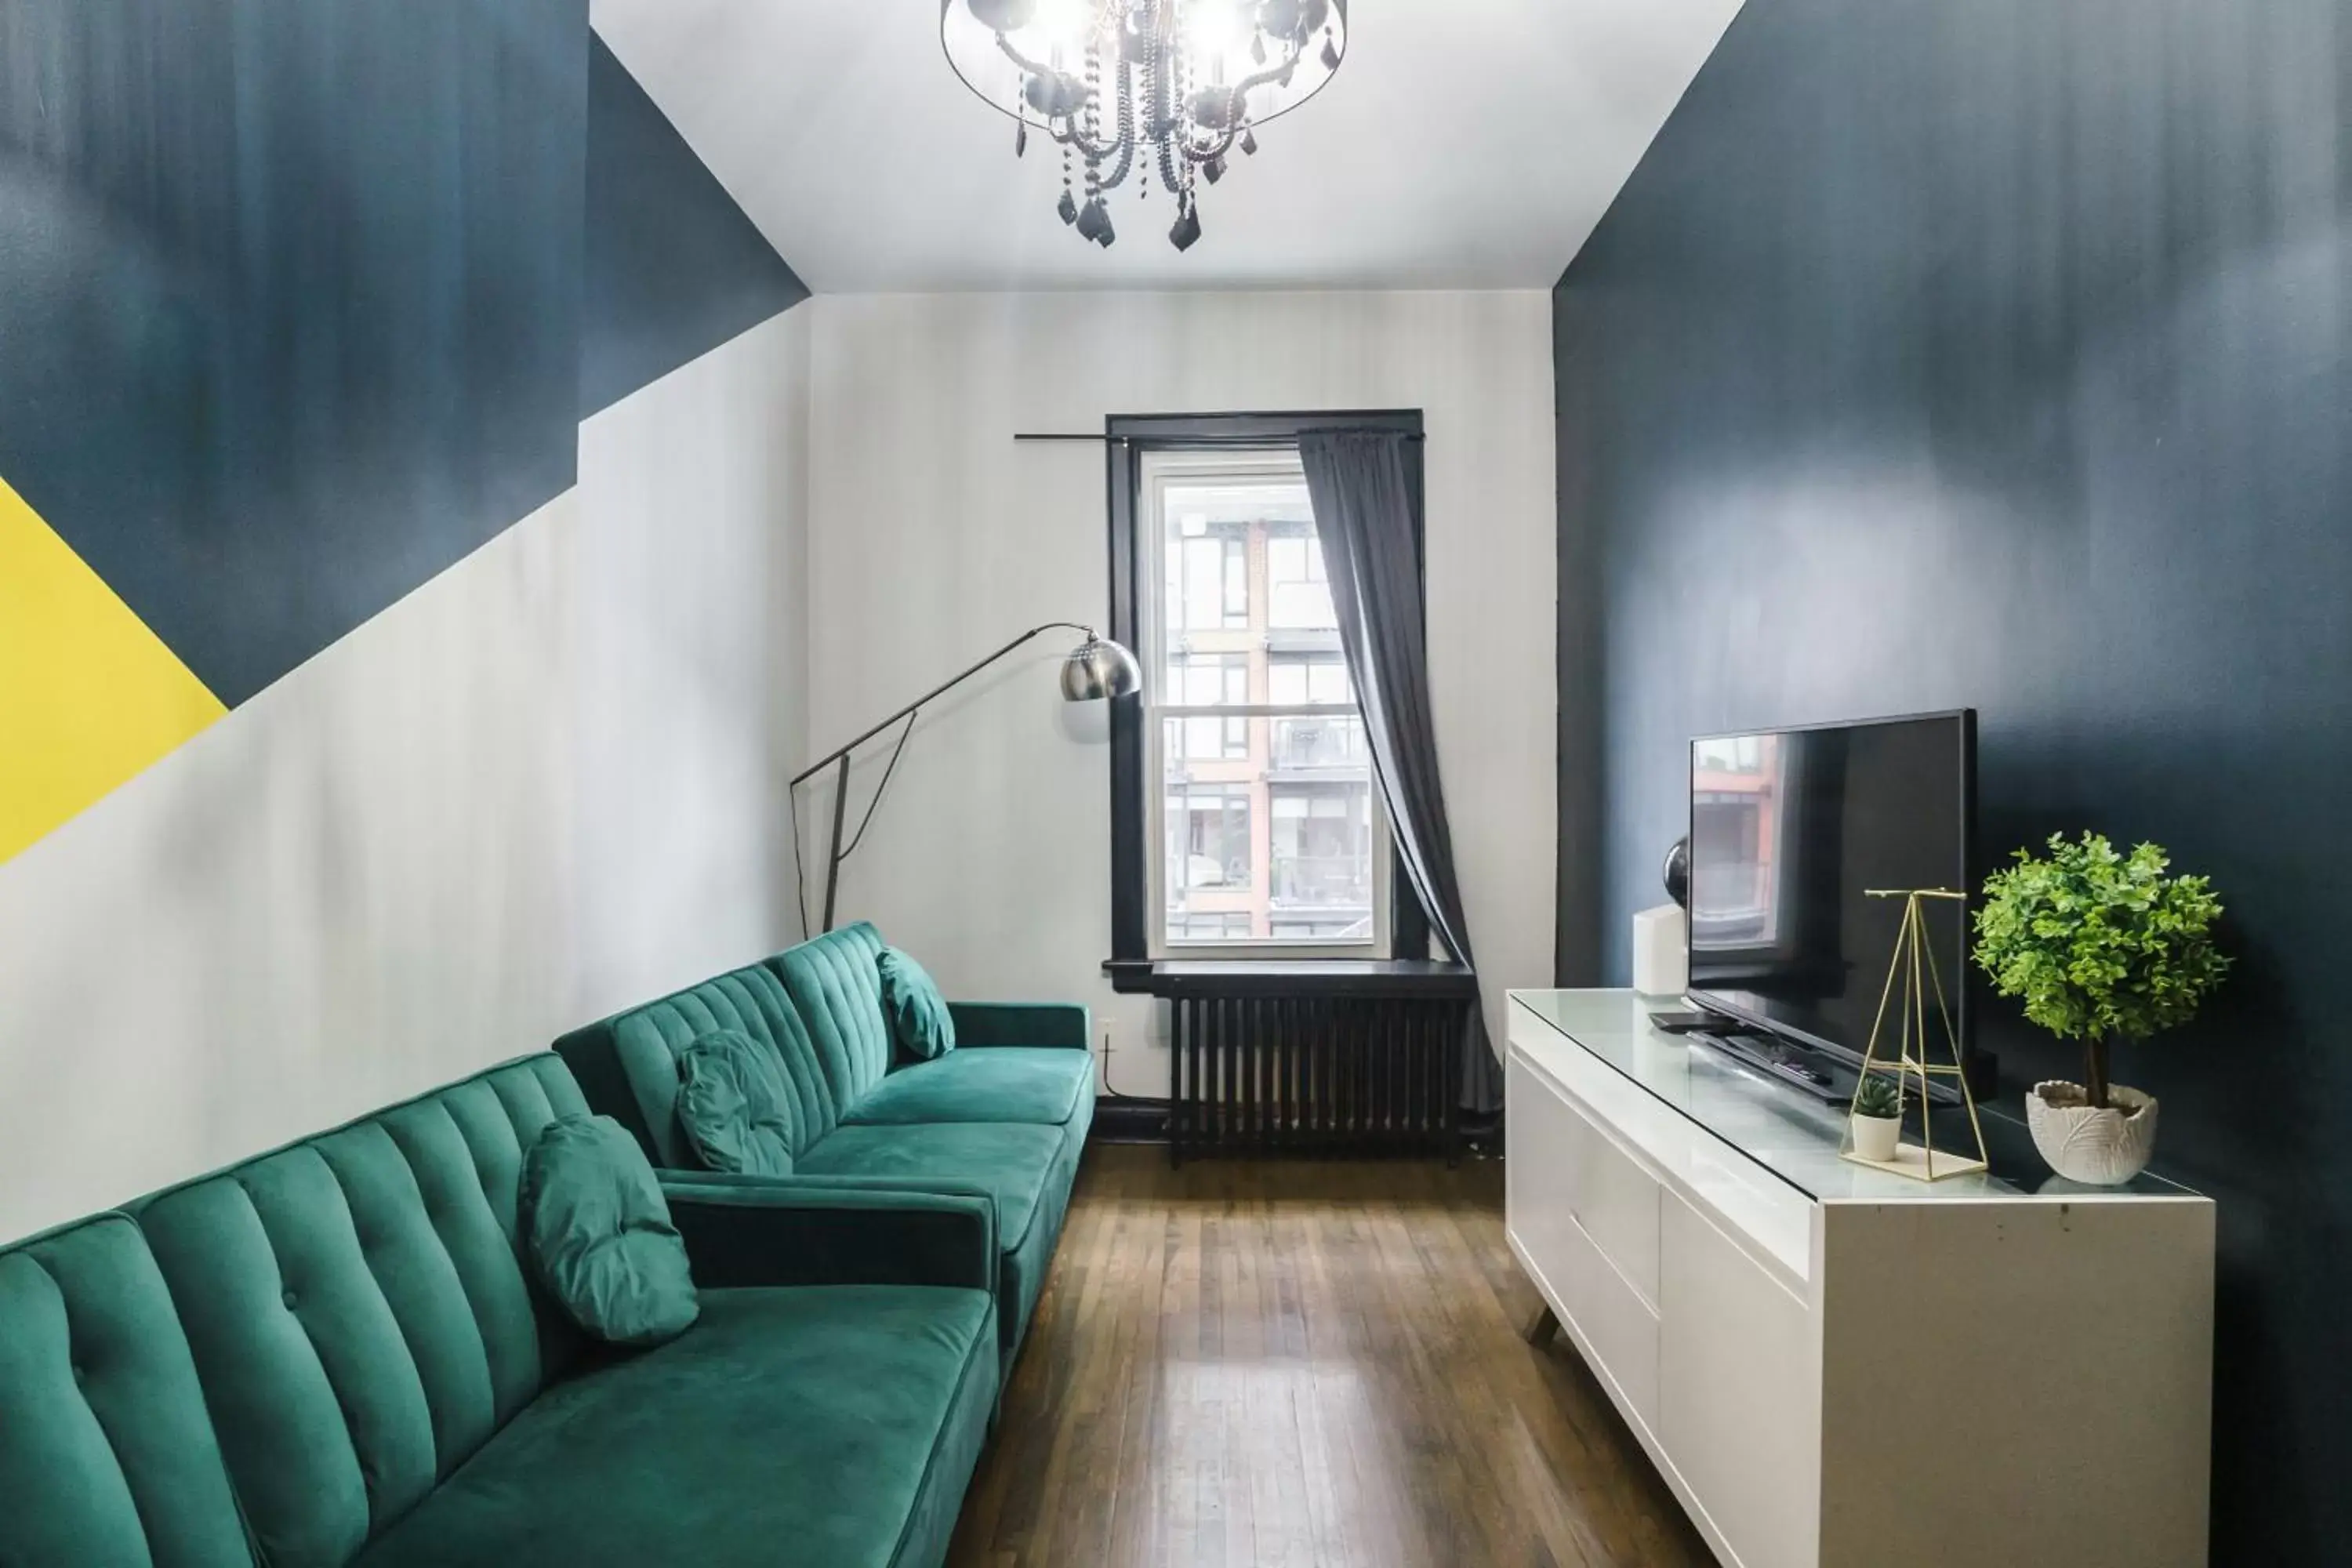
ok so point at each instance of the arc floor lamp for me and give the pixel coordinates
(1097, 669)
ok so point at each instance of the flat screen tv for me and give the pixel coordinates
(1789, 829)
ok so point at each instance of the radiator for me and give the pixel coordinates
(1334, 1076)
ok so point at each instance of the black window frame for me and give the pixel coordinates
(1127, 438)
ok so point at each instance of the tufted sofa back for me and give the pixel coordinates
(106, 1454)
(358, 1308)
(835, 985)
(629, 1063)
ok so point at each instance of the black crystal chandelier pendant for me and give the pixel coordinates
(1164, 90)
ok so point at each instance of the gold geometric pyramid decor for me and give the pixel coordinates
(1913, 972)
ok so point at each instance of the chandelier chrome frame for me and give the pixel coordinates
(1142, 87)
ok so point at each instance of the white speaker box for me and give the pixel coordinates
(1661, 962)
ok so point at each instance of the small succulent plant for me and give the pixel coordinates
(1878, 1096)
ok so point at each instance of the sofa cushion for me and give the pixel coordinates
(1013, 1160)
(1021, 1276)
(998, 1083)
(733, 1106)
(106, 1454)
(627, 1064)
(833, 1425)
(601, 1240)
(920, 1025)
(835, 985)
(1028, 1171)
(357, 1306)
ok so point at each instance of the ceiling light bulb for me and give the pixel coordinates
(1059, 25)
(1215, 36)
(1214, 23)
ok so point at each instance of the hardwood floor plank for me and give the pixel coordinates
(1285, 1363)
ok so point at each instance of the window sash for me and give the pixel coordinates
(1167, 641)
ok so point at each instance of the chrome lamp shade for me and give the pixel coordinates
(1098, 669)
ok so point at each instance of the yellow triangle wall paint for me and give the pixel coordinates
(89, 696)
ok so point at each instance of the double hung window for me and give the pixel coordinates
(1269, 830)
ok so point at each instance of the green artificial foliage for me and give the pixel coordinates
(2102, 946)
(1879, 1096)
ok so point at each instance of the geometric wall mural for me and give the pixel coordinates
(674, 267)
(301, 302)
(290, 322)
(89, 696)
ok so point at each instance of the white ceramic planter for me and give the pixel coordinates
(1875, 1137)
(2100, 1148)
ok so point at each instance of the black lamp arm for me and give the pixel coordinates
(839, 760)
(941, 689)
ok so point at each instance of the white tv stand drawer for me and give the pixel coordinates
(1612, 1193)
(1601, 1299)
(1833, 1365)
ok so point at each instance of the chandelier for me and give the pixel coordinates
(1160, 89)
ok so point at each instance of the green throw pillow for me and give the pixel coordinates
(918, 1012)
(733, 1105)
(599, 1234)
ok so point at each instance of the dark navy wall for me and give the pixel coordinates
(674, 268)
(289, 298)
(302, 301)
(2000, 353)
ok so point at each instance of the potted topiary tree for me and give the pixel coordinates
(2102, 947)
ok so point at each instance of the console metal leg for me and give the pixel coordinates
(1543, 1328)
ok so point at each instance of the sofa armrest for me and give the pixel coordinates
(785, 1230)
(1022, 1024)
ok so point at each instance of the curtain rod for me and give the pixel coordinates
(1211, 440)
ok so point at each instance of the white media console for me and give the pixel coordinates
(1832, 1364)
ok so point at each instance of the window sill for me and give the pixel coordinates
(1290, 977)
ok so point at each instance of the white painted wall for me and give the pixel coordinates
(933, 538)
(691, 661)
(543, 785)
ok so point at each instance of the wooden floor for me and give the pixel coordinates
(1260, 1364)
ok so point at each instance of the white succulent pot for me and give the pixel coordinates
(2101, 1148)
(1875, 1137)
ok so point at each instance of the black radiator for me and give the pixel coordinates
(1313, 1071)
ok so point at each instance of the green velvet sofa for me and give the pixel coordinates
(335, 1354)
(1004, 1115)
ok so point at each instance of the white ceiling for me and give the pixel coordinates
(1464, 144)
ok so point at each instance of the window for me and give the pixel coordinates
(1292, 678)
(1223, 927)
(1209, 841)
(1208, 575)
(1208, 679)
(1245, 820)
(1321, 858)
(1333, 738)
(1298, 597)
(1270, 833)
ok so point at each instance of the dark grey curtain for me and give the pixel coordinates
(1363, 514)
